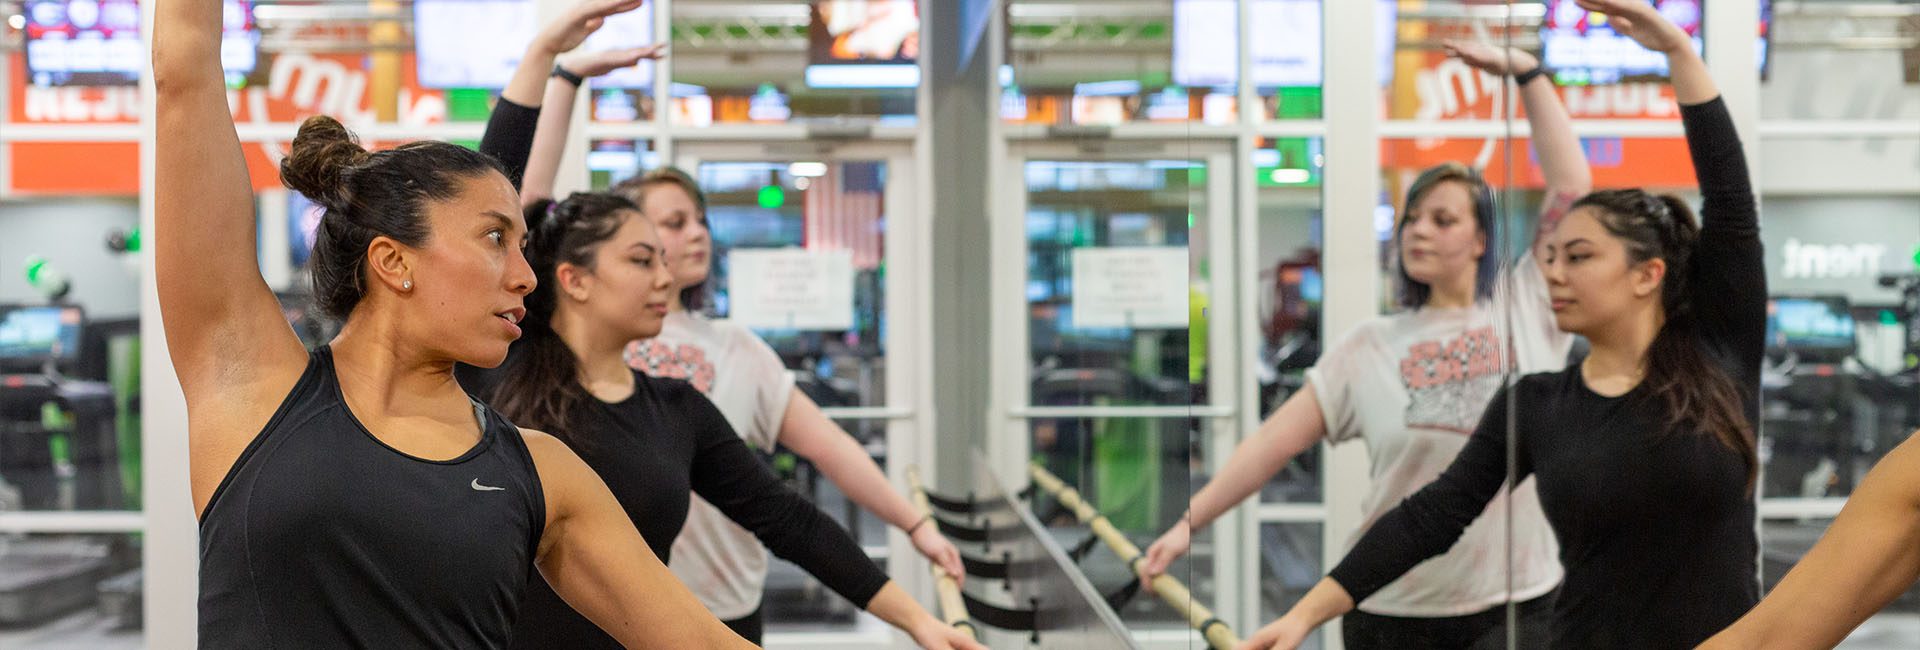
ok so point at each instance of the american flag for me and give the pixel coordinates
(843, 212)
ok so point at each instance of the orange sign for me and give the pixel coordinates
(1444, 89)
(299, 86)
(1654, 163)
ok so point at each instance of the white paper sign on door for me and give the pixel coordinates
(1143, 287)
(790, 288)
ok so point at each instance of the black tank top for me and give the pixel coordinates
(323, 536)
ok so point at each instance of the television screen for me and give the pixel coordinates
(1286, 51)
(39, 333)
(863, 44)
(1581, 48)
(470, 43)
(83, 42)
(1810, 324)
(240, 44)
(97, 42)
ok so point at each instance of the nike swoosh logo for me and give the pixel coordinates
(477, 486)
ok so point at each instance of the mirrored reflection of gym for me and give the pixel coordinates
(866, 324)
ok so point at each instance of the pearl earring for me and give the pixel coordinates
(406, 285)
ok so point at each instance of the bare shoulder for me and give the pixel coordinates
(547, 450)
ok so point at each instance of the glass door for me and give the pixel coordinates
(1108, 259)
(813, 252)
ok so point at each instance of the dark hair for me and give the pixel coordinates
(693, 298)
(368, 194)
(1697, 393)
(540, 381)
(1412, 293)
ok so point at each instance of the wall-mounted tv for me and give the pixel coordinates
(1581, 48)
(863, 44)
(97, 42)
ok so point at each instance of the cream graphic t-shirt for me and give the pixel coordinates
(1414, 385)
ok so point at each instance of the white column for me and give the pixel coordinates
(1352, 188)
(276, 260)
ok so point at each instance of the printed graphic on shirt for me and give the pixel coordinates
(1444, 378)
(685, 361)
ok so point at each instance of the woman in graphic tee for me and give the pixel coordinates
(1413, 383)
(1643, 455)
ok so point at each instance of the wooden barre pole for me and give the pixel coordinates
(1169, 588)
(953, 608)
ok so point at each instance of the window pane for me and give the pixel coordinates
(1290, 291)
(1290, 564)
(1135, 472)
(1117, 62)
(1096, 353)
(1839, 392)
(739, 61)
(70, 439)
(832, 211)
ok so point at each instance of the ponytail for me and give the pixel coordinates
(542, 376)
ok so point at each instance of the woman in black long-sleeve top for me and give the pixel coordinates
(603, 281)
(1644, 454)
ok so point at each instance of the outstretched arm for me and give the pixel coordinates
(550, 140)
(1868, 557)
(594, 558)
(811, 434)
(1294, 427)
(1422, 526)
(510, 129)
(1561, 159)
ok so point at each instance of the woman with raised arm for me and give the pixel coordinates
(724, 564)
(1412, 383)
(603, 281)
(354, 495)
(1643, 454)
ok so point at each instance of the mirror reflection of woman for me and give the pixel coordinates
(1644, 453)
(1411, 384)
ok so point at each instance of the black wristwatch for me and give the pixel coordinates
(1524, 77)
(571, 78)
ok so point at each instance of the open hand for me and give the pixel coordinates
(594, 64)
(1500, 61)
(1642, 22)
(580, 21)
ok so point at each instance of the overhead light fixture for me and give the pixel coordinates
(808, 169)
(1290, 176)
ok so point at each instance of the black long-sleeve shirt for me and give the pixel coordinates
(653, 449)
(1656, 528)
(509, 137)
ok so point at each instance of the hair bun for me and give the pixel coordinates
(317, 164)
